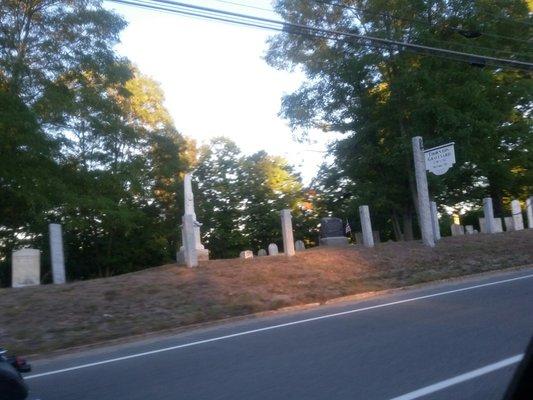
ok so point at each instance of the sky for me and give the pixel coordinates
(216, 81)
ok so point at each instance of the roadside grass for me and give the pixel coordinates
(46, 318)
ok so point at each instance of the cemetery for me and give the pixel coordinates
(197, 289)
(171, 297)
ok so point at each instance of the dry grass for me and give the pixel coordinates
(45, 318)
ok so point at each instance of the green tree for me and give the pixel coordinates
(240, 198)
(381, 97)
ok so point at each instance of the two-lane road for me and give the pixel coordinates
(445, 341)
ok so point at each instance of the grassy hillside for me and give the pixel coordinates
(44, 318)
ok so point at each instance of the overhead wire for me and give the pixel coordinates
(281, 26)
(412, 20)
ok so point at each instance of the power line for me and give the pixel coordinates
(267, 23)
(415, 20)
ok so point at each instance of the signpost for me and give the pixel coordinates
(440, 159)
(437, 160)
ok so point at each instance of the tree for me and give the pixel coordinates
(220, 206)
(101, 154)
(382, 97)
(240, 198)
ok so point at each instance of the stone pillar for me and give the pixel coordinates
(26, 268)
(424, 209)
(516, 212)
(366, 226)
(188, 198)
(489, 215)
(189, 241)
(529, 212)
(286, 230)
(435, 221)
(56, 254)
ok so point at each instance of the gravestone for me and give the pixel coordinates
(273, 249)
(375, 235)
(286, 231)
(247, 254)
(26, 268)
(509, 224)
(516, 213)
(457, 230)
(299, 245)
(488, 212)
(261, 253)
(529, 212)
(332, 232)
(496, 223)
(469, 229)
(202, 253)
(56, 254)
(366, 226)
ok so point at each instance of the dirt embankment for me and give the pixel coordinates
(45, 318)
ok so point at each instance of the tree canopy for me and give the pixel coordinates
(381, 97)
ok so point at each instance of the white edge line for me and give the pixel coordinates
(272, 327)
(460, 378)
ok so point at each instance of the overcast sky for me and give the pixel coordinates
(216, 81)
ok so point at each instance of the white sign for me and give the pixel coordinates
(440, 159)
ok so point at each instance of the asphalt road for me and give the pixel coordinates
(382, 348)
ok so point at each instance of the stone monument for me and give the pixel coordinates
(332, 232)
(299, 245)
(457, 230)
(261, 253)
(26, 268)
(56, 254)
(246, 254)
(509, 224)
(273, 249)
(366, 226)
(529, 212)
(516, 211)
(201, 251)
(287, 233)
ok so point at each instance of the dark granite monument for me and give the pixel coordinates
(332, 232)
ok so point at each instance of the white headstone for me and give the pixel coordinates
(246, 254)
(286, 230)
(529, 212)
(469, 229)
(299, 245)
(261, 253)
(56, 254)
(498, 225)
(489, 225)
(366, 226)
(26, 268)
(509, 224)
(516, 210)
(273, 249)
(482, 225)
(457, 230)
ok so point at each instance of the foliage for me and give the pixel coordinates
(240, 199)
(85, 141)
(381, 97)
